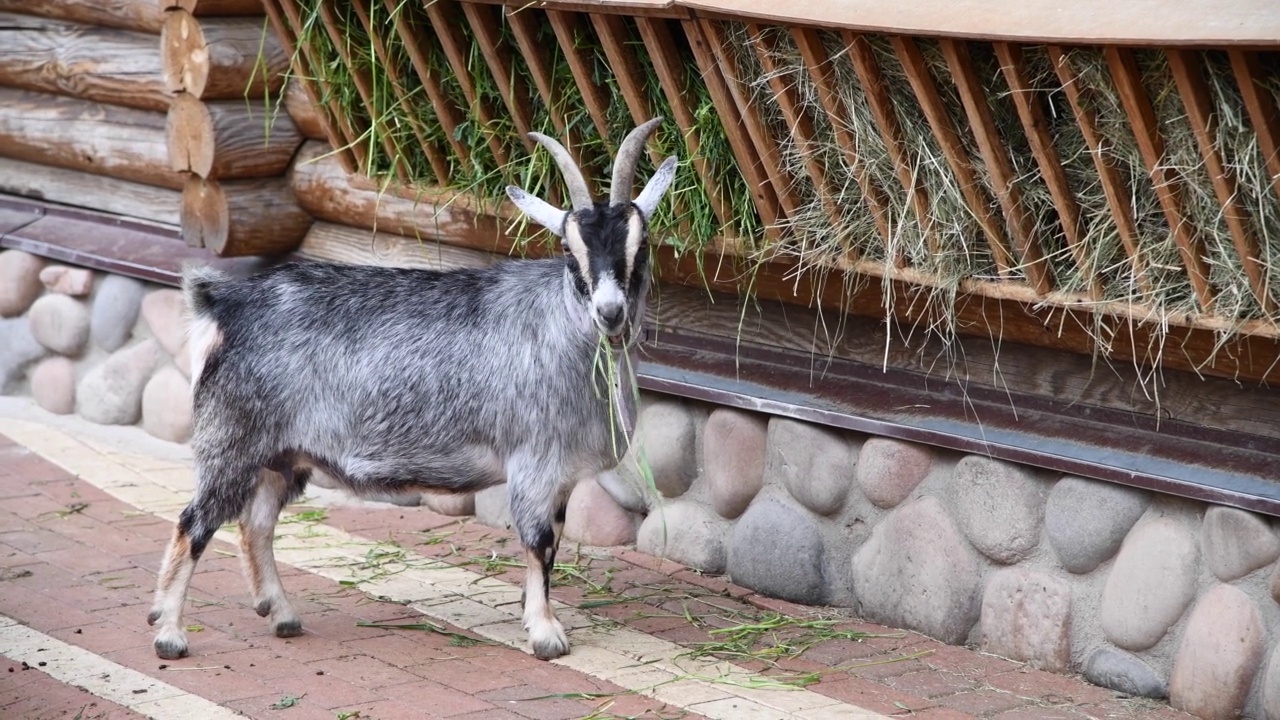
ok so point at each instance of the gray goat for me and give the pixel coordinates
(415, 380)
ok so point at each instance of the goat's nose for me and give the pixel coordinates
(611, 314)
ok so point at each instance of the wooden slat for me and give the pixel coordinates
(446, 22)
(1262, 110)
(568, 27)
(1189, 77)
(886, 118)
(364, 88)
(1114, 187)
(656, 35)
(1031, 113)
(439, 165)
(766, 201)
(752, 122)
(926, 90)
(524, 28)
(283, 15)
(1142, 117)
(999, 166)
(484, 25)
(450, 116)
(821, 70)
(801, 125)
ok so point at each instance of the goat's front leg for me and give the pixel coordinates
(539, 521)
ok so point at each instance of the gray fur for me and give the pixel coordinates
(399, 380)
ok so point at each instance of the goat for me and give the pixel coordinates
(392, 379)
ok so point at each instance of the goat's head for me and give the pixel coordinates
(605, 244)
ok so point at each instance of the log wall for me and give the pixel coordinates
(171, 111)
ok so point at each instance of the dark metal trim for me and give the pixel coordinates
(1180, 459)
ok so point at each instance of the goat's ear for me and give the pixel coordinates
(657, 186)
(538, 210)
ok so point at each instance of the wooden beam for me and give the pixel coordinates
(568, 28)
(286, 21)
(446, 21)
(259, 216)
(225, 139)
(109, 65)
(752, 121)
(306, 114)
(1188, 75)
(1114, 188)
(766, 200)
(658, 40)
(822, 72)
(364, 88)
(435, 158)
(926, 90)
(118, 142)
(414, 36)
(498, 56)
(1262, 110)
(142, 15)
(1142, 117)
(1031, 113)
(1029, 253)
(220, 58)
(886, 119)
(214, 8)
(96, 192)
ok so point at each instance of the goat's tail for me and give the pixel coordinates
(196, 285)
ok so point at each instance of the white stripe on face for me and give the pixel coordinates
(577, 248)
(635, 233)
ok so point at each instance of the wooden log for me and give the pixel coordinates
(118, 142)
(306, 116)
(328, 193)
(108, 65)
(258, 216)
(214, 8)
(141, 15)
(220, 58)
(95, 192)
(332, 242)
(227, 140)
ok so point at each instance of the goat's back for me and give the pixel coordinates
(384, 369)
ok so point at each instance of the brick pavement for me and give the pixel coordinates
(78, 565)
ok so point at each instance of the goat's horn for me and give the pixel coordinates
(578, 192)
(624, 165)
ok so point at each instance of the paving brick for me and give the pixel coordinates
(870, 695)
(1048, 687)
(494, 714)
(931, 683)
(365, 671)
(533, 702)
(37, 540)
(970, 663)
(104, 637)
(942, 713)
(260, 708)
(983, 703)
(1041, 713)
(466, 675)
(436, 699)
(34, 695)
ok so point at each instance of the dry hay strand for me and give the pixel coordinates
(1168, 291)
(1237, 141)
(825, 230)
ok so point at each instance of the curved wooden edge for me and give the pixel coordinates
(1181, 23)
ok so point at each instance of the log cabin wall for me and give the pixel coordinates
(164, 111)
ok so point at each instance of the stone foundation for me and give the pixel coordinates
(106, 347)
(1146, 594)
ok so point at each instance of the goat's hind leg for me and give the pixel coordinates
(196, 527)
(274, 489)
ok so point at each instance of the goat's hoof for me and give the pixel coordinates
(263, 608)
(549, 642)
(153, 617)
(170, 648)
(288, 628)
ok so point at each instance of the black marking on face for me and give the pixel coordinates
(607, 241)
